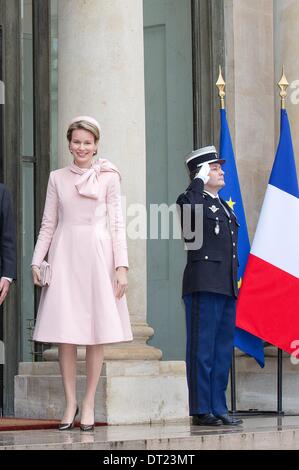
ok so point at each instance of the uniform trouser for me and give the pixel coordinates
(210, 321)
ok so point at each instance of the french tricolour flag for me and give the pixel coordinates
(268, 305)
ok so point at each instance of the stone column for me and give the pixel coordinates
(101, 73)
(250, 96)
(286, 32)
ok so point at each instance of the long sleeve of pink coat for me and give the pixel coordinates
(49, 224)
(116, 222)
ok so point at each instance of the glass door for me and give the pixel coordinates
(24, 163)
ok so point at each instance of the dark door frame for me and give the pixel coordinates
(42, 114)
(42, 102)
(11, 155)
(208, 47)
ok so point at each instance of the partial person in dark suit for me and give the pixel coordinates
(210, 288)
(8, 260)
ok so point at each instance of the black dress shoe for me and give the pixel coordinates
(229, 420)
(87, 427)
(206, 420)
(67, 426)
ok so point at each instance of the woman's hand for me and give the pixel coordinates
(121, 281)
(36, 276)
(4, 288)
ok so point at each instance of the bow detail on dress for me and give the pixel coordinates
(88, 183)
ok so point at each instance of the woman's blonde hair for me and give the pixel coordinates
(87, 126)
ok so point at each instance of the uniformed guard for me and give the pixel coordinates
(210, 289)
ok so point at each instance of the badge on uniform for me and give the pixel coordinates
(214, 209)
(217, 227)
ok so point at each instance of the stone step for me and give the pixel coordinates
(128, 392)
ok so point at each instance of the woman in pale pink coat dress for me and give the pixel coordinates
(83, 234)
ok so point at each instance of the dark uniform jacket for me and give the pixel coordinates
(214, 266)
(8, 264)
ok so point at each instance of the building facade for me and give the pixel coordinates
(146, 69)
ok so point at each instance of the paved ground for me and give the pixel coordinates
(255, 433)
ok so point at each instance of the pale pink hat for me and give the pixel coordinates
(89, 119)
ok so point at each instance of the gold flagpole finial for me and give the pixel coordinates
(220, 84)
(283, 85)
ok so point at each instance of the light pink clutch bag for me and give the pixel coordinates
(45, 273)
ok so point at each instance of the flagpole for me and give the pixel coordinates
(283, 85)
(220, 84)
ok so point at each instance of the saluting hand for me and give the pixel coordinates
(204, 172)
(121, 281)
(36, 276)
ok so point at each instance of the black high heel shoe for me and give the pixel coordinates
(67, 426)
(87, 427)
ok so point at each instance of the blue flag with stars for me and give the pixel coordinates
(231, 193)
